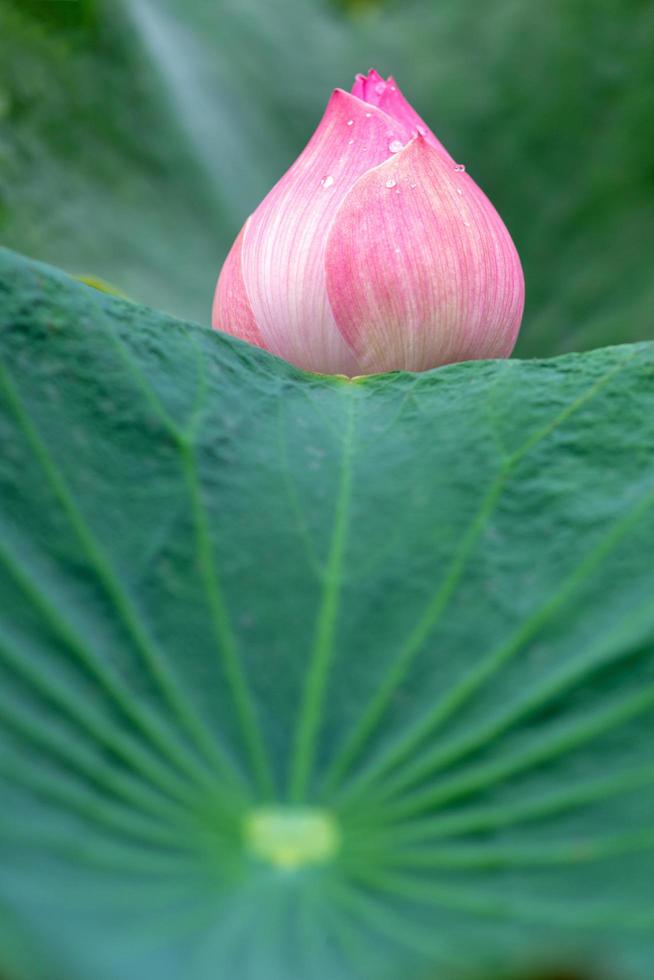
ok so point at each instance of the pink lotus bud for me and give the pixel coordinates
(374, 252)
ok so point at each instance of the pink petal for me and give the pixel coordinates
(369, 87)
(421, 271)
(232, 311)
(283, 256)
(359, 87)
(387, 95)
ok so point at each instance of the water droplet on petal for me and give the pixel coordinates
(380, 87)
(460, 167)
(412, 186)
(396, 146)
(350, 142)
(368, 115)
(421, 130)
(397, 191)
(397, 251)
(459, 191)
(327, 181)
(390, 182)
(350, 122)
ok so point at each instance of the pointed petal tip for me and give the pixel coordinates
(355, 106)
(341, 101)
(340, 95)
(359, 86)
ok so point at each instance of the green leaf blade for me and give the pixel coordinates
(408, 617)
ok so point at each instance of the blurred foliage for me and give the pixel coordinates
(20, 953)
(571, 967)
(137, 135)
(560, 972)
(94, 174)
(62, 13)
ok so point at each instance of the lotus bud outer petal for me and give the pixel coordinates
(282, 254)
(231, 303)
(421, 270)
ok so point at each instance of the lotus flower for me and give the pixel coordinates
(374, 252)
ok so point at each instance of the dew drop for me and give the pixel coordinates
(460, 167)
(459, 191)
(413, 186)
(395, 146)
(390, 182)
(368, 115)
(350, 142)
(380, 88)
(397, 251)
(327, 181)
(350, 122)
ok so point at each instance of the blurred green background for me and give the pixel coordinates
(136, 135)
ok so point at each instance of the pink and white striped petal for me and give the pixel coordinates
(386, 94)
(420, 269)
(284, 242)
(232, 311)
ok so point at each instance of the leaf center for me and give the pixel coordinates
(289, 837)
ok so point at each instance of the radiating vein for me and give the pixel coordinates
(363, 959)
(444, 754)
(391, 926)
(145, 388)
(311, 707)
(138, 715)
(497, 905)
(217, 609)
(112, 780)
(121, 602)
(78, 800)
(433, 827)
(373, 712)
(249, 724)
(92, 725)
(548, 853)
(197, 413)
(480, 777)
(378, 432)
(292, 493)
(162, 863)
